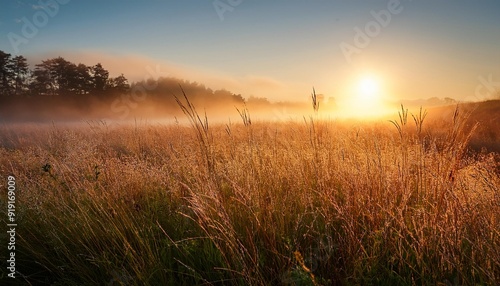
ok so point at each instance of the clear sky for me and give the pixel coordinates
(276, 49)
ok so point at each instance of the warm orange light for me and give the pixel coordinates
(365, 98)
(368, 88)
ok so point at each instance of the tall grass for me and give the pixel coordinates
(312, 203)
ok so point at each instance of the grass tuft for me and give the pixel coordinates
(312, 203)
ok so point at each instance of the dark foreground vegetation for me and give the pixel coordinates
(291, 203)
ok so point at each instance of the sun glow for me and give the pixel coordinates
(366, 98)
(368, 88)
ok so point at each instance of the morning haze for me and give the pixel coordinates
(237, 142)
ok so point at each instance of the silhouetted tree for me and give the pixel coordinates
(41, 83)
(55, 76)
(44, 80)
(21, 73)
(100, 78)
(83, 79)
(119, 84)
(64, 74)
(6, 74)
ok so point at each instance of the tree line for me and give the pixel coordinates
(57, 88)
(56, 76)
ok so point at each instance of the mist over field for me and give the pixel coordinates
(234, 142)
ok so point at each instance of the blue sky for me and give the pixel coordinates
(277, 49)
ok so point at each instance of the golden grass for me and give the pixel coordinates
(313, 202)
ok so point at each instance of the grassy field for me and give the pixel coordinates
(253, 203)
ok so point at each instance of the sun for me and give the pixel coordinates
(366, 97)
(368, 88)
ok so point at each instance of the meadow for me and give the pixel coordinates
(312, 202)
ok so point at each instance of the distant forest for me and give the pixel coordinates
(55, 76)
(58, 88)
